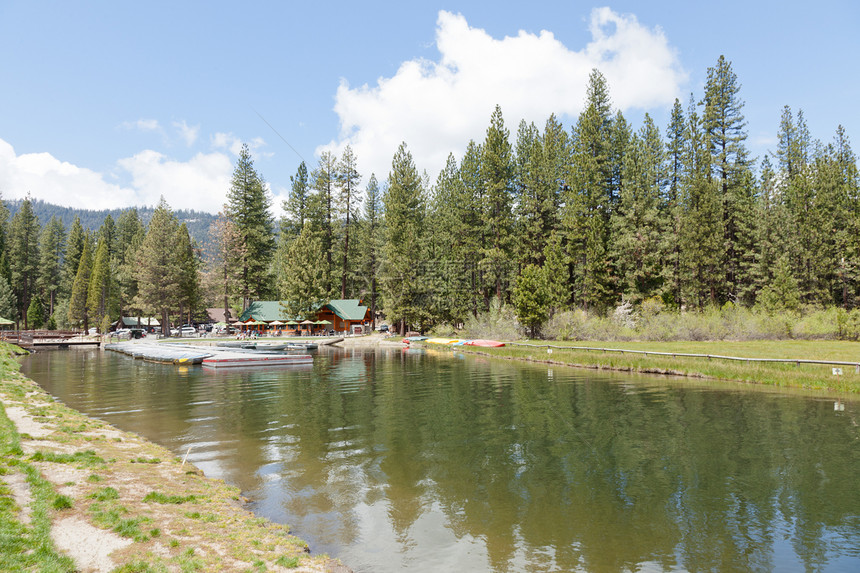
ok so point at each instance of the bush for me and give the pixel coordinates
(653, 321)
(498, 323)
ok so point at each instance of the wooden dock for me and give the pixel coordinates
(232, 360)
(32, 339)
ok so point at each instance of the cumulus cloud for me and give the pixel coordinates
(200, 183)
(438, 106)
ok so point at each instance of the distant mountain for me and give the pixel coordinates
(198, 222)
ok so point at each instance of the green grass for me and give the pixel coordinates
(87, 458)
(813, 376)
(158, 497)
(25, 548)
(111, 515)
(104, 494)
(288, 562)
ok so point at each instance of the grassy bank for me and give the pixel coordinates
(811, 376)
(82, 480)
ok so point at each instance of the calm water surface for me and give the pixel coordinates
(409, 460)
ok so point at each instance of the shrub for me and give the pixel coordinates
(498, 323)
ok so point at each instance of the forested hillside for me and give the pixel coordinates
(91, 220)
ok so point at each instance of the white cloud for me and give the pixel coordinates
(59, 182)
(233, 144)
(200, 183)
(142, 125)
(437, 106)
(187, 132)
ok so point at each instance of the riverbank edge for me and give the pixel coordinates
(127, 504)
(805, 377)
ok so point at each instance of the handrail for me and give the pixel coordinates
(796, 361)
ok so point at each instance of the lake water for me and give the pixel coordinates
(434, 461)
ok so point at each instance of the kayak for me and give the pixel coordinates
(486, 343)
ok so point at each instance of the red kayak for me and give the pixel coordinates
(487, 343)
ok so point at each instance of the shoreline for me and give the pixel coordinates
(131, 503)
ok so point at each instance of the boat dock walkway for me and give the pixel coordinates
(212, 357)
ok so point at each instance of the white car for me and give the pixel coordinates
(187, 331)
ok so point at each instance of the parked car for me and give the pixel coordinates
(382, 328)
(187, 331)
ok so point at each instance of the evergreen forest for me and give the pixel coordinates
(591, 218)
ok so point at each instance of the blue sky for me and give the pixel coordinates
(111, 104)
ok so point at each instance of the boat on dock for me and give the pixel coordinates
(302, 346)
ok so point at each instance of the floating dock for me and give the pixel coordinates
(160, 353)
(232, 360)
(212, 357)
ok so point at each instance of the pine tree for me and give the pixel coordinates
(638, 223)
(248, 209)
(129, 236)
(671, 240)
(471, 230)
(188, 263)
(36, 313)
(497, 176)
(447, 279)
(158, 266)
(296, 205)
(24, 256)
(78, 309)
(557, 273)
(404, 218)
(302, 280)
(792, 144)
(5, 271)
(8, 304)
(348, 179)
(52, 246)
(74, 249)
(100, 299)
(774, 236)
(108, 235)
(321, 210)
(529, 232)
(701, 237)
(226, 253)
(588, 200)
(531, 298)
(370, 240)
(724, 129)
